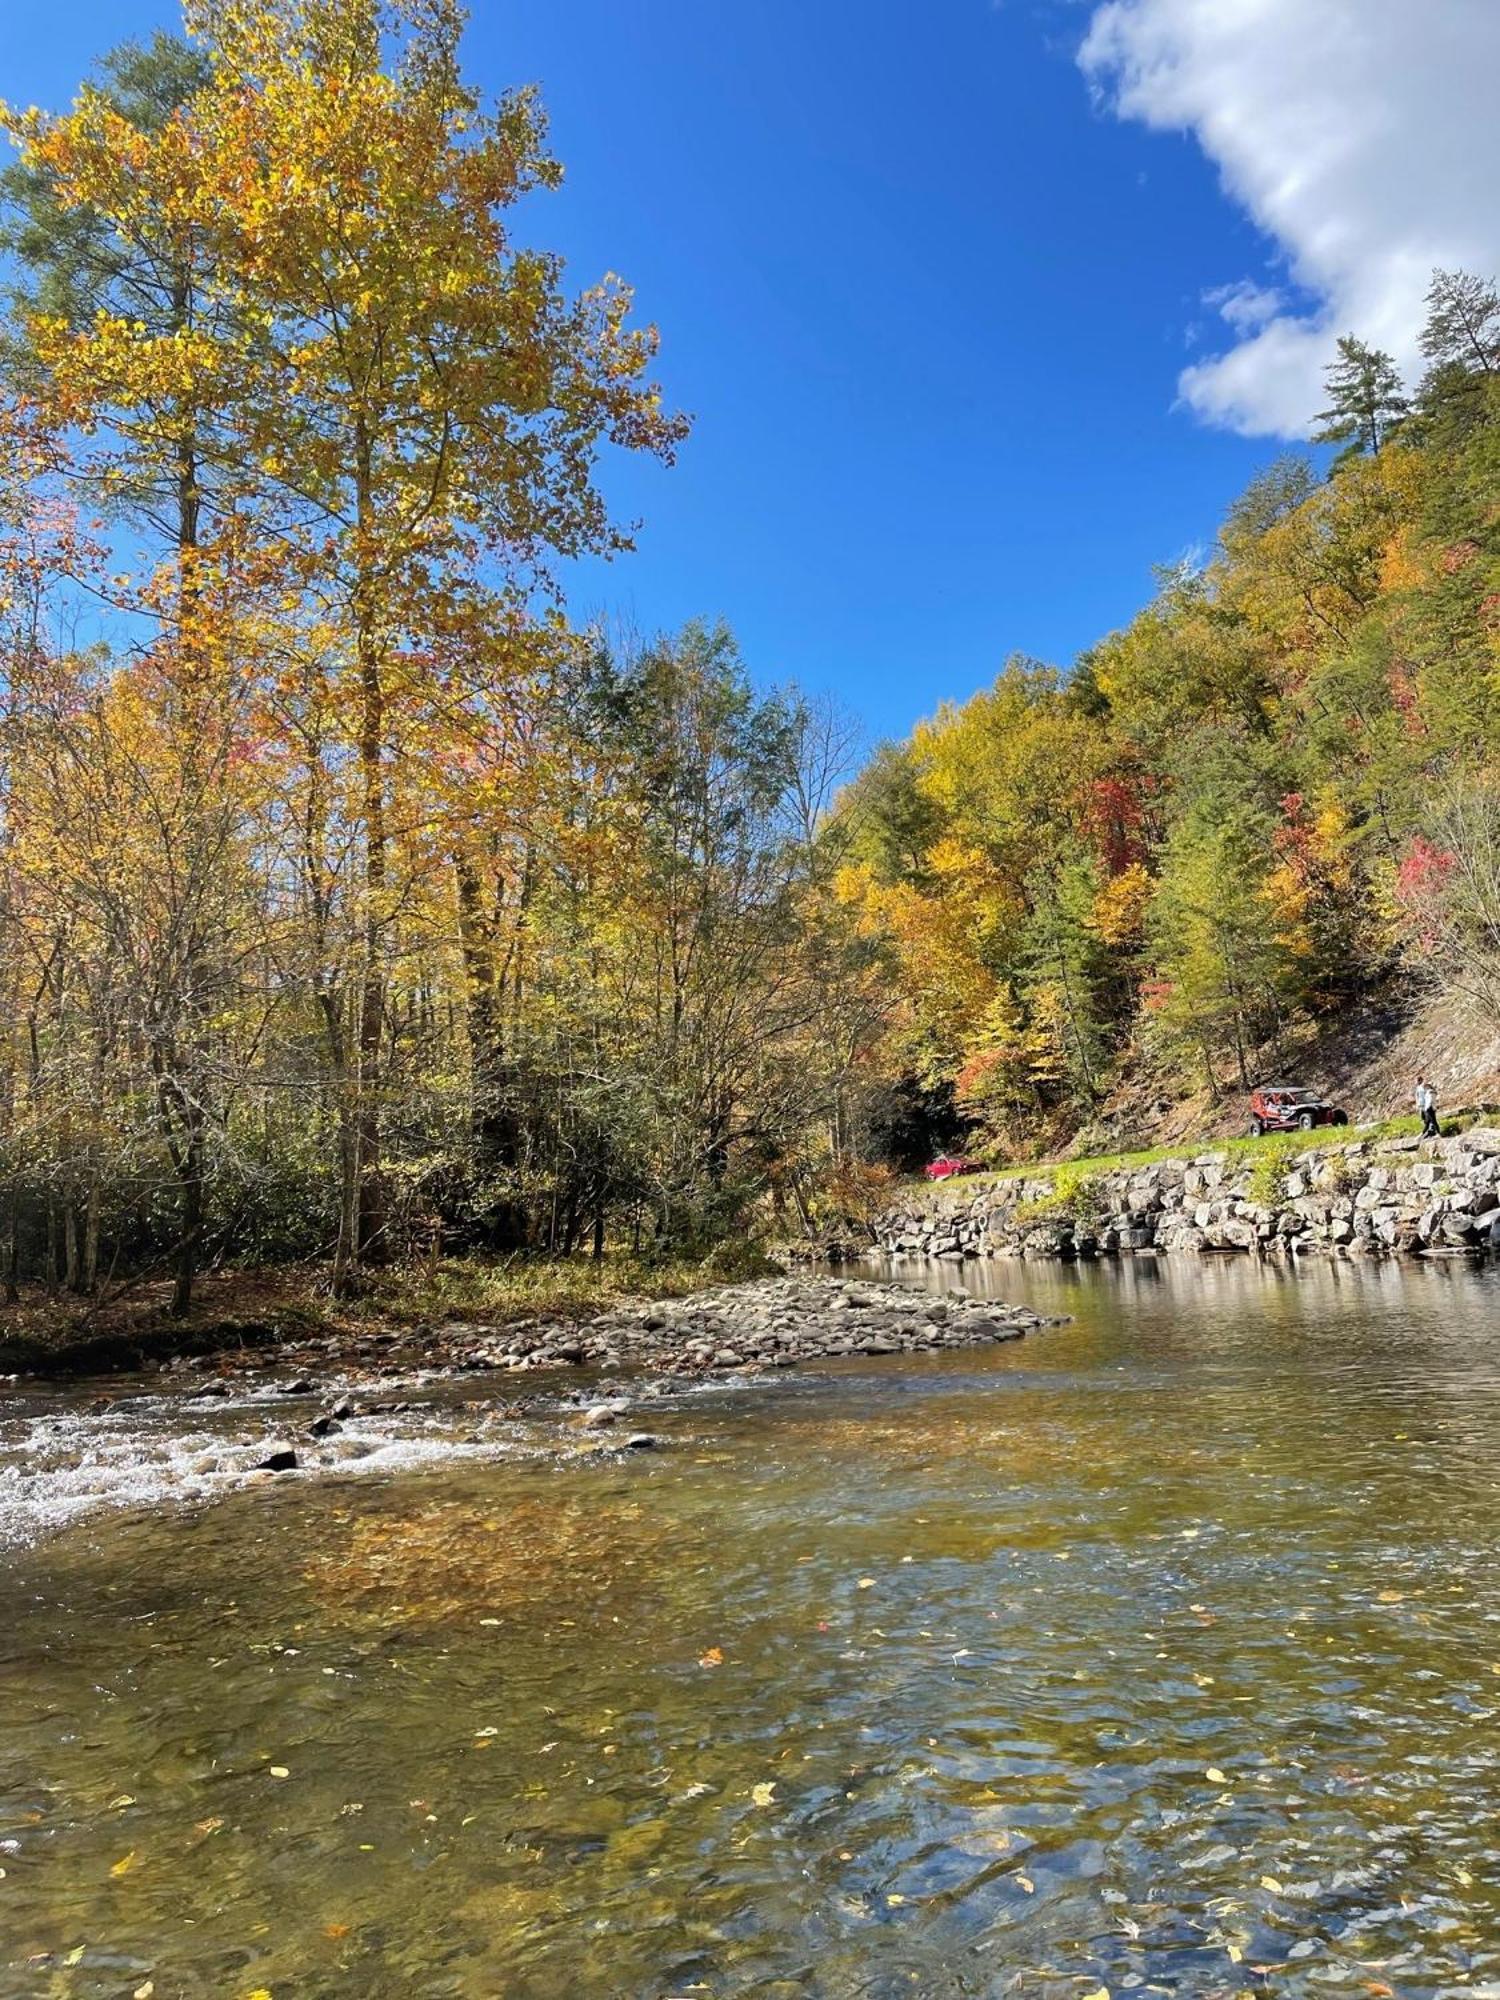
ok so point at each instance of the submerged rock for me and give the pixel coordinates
(283, 1459)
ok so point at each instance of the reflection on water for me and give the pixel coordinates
(1157, 1652)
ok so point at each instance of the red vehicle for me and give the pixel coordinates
(1284, 1107)
(947, 1164)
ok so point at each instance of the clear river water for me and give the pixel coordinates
(1158, 1652)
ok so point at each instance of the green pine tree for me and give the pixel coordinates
(1365, 402)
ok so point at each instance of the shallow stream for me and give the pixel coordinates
(1157, 1652)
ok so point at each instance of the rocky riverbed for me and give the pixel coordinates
(386, 1402)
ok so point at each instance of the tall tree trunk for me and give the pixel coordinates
(182, 1123)
(493, 1123)
(486, 1056)
(371, 1213)
(13, 1245)
(190, 1242)
(91, 1232)
(70, 1245)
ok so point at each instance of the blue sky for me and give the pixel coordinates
(928, 301)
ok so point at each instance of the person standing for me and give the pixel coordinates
(1427, 1105)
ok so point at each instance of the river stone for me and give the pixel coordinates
(990, 1329)
(600, 1417)
(642, 1441)
(283, 1459)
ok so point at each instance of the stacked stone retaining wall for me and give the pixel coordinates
(1360, 1198)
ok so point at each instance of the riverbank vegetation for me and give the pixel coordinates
(357, 909)
(283, 1309)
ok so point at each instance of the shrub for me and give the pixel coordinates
(1268, 1174)
(1077, 1197)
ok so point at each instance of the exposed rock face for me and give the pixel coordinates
(1361, 1198)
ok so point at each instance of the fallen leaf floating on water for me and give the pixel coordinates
(763, 1795)
(1215, 1776)
(714, 1657)
(280, 1771)
(125, 1863)
(144, 1992)
(867, 1583)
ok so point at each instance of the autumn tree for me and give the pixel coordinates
(404, 403)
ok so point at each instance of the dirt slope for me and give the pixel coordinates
(1367, 1060)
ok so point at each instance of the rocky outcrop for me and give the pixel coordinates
(1362, 1198)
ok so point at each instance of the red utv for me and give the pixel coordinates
(947, 1164)
(1284, 1107)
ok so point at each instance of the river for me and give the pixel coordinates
(1157, 1652)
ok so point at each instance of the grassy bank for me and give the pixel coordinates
(1242, 1148)
(53, 1333)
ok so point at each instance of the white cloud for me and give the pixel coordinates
(1245, 307)
(1362, 137)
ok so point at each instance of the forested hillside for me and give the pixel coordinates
(354, 902)
(1274, 789)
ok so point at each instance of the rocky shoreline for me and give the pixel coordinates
(765, 1323)
(1359, 1198)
